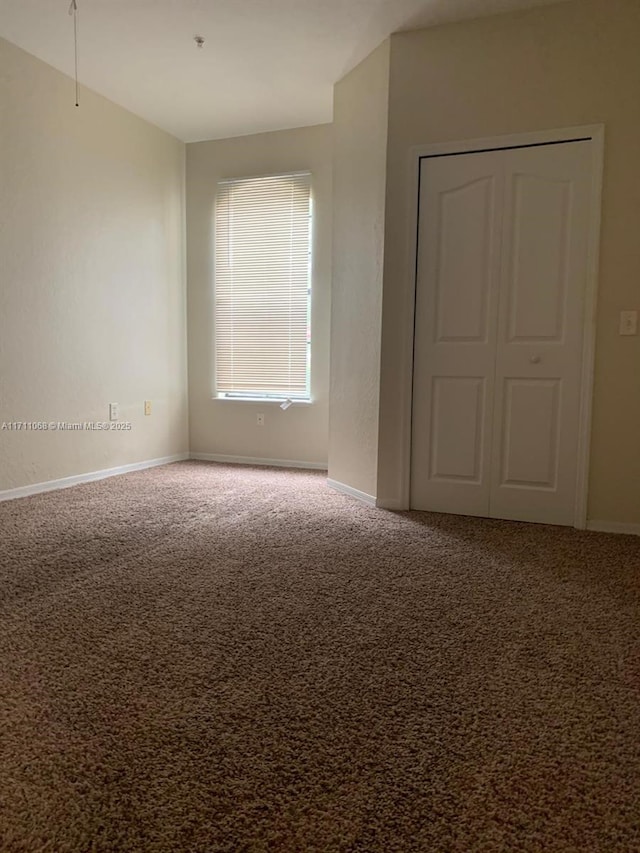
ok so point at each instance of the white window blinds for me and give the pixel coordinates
(262, 286)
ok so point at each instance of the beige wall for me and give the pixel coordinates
(575, 63)
(92, 296)
(228, 427)
(360, 150)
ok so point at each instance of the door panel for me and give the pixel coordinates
(463, 278)
(456, 325)
(530, 433)
(539, 257)
(545, 239)
(457, 454)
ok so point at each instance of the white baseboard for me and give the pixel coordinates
(613, 527)
(379, 503)
(254, 460)
(354, 493)
(66, 482)
(391, 504)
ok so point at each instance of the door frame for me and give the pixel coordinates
(595, 134)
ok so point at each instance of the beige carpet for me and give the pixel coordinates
(205, 658)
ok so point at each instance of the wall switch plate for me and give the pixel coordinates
(260, 419)
(147, 407)
(114, 411)
(628, 322)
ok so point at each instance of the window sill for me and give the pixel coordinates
(263, 401)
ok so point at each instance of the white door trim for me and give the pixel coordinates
(595, 133)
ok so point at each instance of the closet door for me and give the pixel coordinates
(456, 332)
(543, 273)
(503, 241)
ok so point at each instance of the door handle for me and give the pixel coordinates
(535, 359)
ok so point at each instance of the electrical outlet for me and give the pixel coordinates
(114, 411)
(260, 419)
(147, 407)
(628, 322)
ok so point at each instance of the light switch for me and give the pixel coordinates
(628, 322)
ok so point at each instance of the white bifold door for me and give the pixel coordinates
(503, 241)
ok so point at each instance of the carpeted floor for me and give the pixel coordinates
(203, 658)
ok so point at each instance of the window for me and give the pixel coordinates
(263, 287)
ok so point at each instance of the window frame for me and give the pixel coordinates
(268, 397)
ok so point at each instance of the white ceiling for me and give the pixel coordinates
(266, 64)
